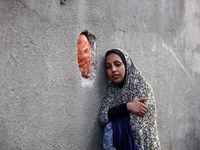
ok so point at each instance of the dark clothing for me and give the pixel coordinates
(119, 111)
(123, 138)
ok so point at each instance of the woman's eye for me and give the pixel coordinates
(107, 67)
(118, 65)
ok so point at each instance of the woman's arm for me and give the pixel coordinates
(103, 114)
(118, 111)
(135, 107)
(108, 114)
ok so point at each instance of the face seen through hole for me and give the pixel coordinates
(115, 68)
(84, 55)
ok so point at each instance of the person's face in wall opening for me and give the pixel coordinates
(84, 55)
(84, 65)
(115, 68)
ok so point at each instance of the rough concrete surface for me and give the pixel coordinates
(43, 105)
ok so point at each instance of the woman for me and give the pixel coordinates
(129, 94)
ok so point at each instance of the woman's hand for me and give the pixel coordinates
(136, 107)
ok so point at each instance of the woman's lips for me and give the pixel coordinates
(115, 76)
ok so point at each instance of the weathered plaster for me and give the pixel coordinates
(43, 102)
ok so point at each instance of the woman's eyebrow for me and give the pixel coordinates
(117, 61)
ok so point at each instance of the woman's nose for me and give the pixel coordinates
(113, 69)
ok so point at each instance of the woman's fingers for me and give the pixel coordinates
(137, 107)
(142, 114)
(143, 108)
(142, 99)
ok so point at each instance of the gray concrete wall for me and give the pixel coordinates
(43, 104)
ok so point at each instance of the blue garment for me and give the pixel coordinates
(108, 137)
(123, 138)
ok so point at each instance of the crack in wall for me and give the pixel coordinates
(177, 60)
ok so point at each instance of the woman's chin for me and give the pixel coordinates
(116, 81)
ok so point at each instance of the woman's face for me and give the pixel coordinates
(115, 68)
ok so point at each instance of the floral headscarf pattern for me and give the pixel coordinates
(135, 87)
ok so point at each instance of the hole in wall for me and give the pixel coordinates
(86, 47)
(63, 2)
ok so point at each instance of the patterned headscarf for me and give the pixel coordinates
(135, 87)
